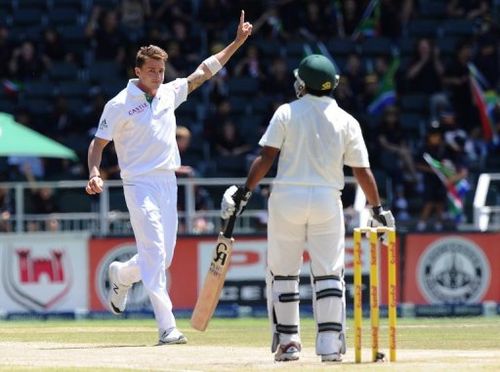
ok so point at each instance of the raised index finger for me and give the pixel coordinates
(242, 17)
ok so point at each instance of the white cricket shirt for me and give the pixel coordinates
(143, 132)
(316, 138)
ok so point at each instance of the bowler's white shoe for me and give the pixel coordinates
(117, 292)
(171, 337)
(335, 357)
(288, 352)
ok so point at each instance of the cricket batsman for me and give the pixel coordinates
(314, 139)
(141, 122)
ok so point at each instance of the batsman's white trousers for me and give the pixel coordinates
(152, 203)
(300, 214)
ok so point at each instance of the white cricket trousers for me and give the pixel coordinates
(300, 214)
(300, 217)
(152, 203)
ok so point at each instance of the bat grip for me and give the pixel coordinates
(228, 230)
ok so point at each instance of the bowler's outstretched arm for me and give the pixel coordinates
(213, 64)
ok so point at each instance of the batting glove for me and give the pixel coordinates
(381, 218)
(234, 201)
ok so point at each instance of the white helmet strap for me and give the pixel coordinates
(299, 85)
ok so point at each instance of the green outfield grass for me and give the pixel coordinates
(478, 337)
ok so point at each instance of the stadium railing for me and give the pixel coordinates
(106, 214)
(487, 202)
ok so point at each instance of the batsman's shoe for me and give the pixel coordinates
(171, 337)
(117, 291)
(335, 357)
(288, 352)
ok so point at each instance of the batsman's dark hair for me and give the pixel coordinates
(319, 93)
(150, 51)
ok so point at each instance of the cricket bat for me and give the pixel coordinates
(214, 281)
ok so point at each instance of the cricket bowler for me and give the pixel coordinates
(141, 122)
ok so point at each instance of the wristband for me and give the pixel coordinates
(247, 192)
(377, 210)
(213, 64)
(95, 176)
(243, 193)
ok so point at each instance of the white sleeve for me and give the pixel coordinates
(356, 154)
(276, 131)
(109, 121)
(179, 91)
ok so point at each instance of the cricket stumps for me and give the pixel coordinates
(373, 237)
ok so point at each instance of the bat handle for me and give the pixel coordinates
(228, 230)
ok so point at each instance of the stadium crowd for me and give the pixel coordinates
(408, 69)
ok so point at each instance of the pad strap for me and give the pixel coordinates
(329, 292)
(326, 277)
(289, 297)
(283, 277)
(330, 326)
(287, 329)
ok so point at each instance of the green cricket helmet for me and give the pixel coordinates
(317, 73)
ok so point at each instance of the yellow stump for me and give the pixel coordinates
(374, 291)
(374, 305)
(358, 310)
(392, 300)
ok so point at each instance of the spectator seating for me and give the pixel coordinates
(63, 16)
(376, 47)
(63, 71)
(248, 128)
(414, 125)
(78, 5)
(424, 27)
(457, 27)
(406, 46)
(239, 105)
(31, 4)
(251, 107)
(269, 49)
(342, 47)
(111, 88)
(433, 9)
(39, 106)
(101, 71)
(70, 200)
(73, 89)
(27, 17)
(110, 4)
(446, 45)
(38, 89)
(117, 200)
(188, 112)
(243, 86)
(414, 103)
(7, 105)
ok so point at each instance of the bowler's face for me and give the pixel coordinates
(152, 73)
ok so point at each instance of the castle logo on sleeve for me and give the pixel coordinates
(103, 124)
(453, 270)
(138, 298)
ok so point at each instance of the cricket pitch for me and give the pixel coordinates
(237, 345)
